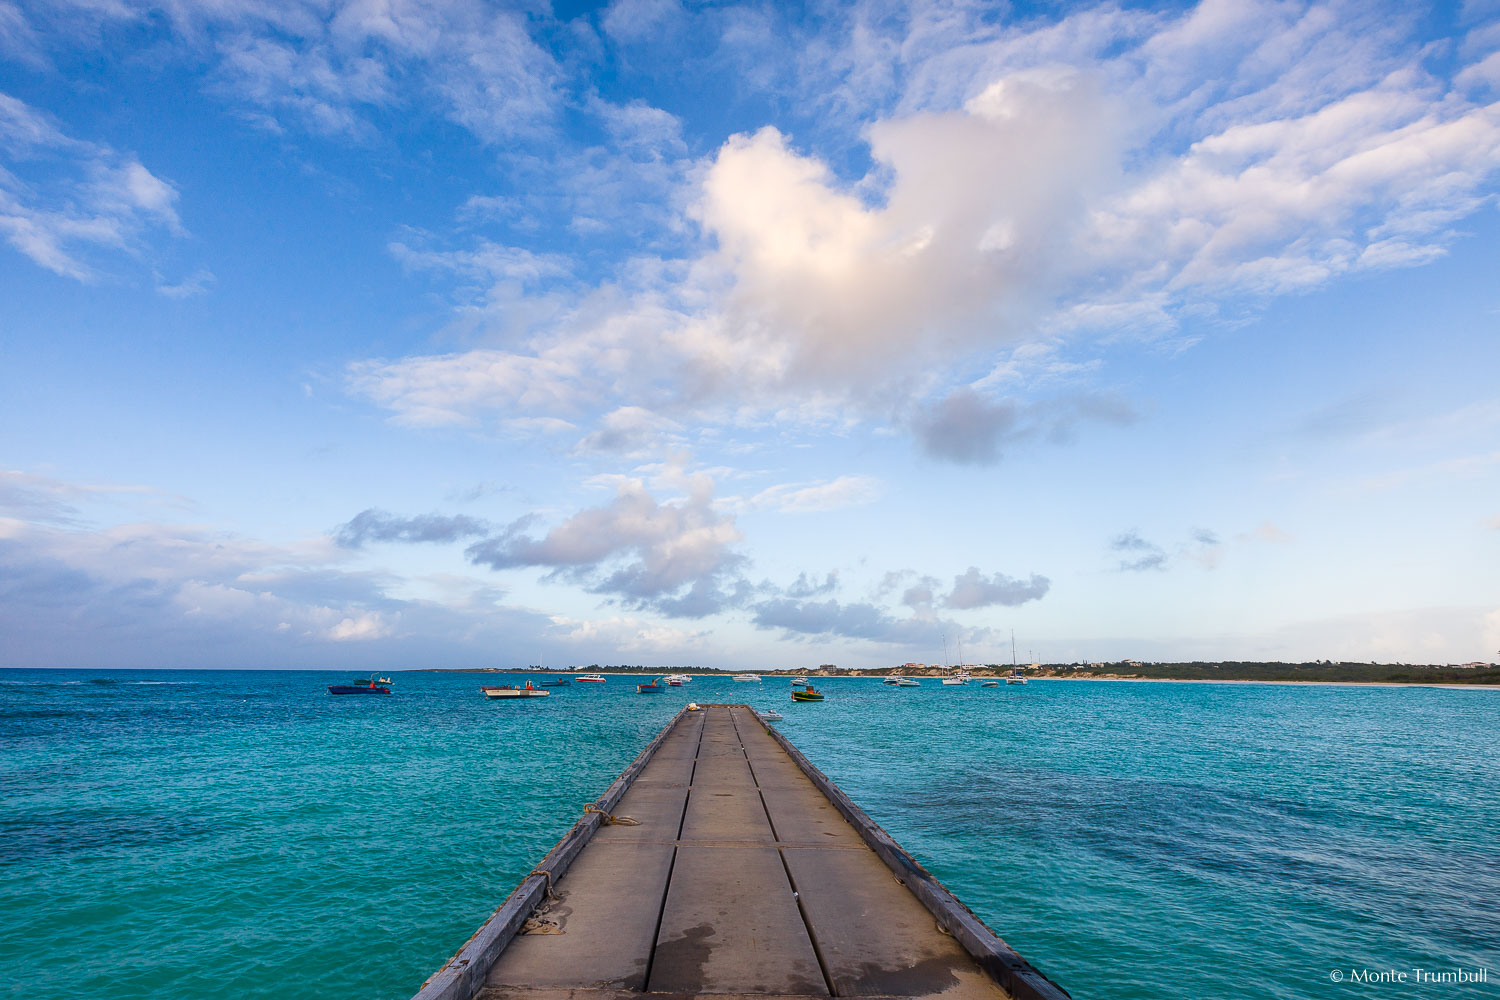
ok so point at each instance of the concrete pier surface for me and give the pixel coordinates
(745, 873)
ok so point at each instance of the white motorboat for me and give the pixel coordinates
(769, 715)
(747, 678)
(511, 691)
(677, 680)
(799, 680)
(591, 679)
(902, 682)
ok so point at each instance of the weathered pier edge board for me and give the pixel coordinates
(759, 803)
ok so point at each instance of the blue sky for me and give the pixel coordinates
(401, 333)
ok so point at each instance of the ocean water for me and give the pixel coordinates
(164, 834)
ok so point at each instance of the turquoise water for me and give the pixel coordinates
(165, 832)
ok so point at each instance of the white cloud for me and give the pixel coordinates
(630, 21)
(605, 635)
(628, 430)
(674, 555)
(197, 283)
(972, 589)
(360, 629)
(1107, 172)
(325, 67)
(45, 500)
(809, 498)
(63, 200)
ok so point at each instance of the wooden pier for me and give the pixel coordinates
(746, 873)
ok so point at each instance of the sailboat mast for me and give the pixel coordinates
(1013, 649)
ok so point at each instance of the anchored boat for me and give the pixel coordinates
(511, 691)
(371, 686)
(591, 679)
(1015, 676)
(807, 693)
(655, 687)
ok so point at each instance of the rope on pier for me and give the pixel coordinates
(609, 819)
(548, 875)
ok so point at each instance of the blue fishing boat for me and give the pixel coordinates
(655, 687)
(556, 682)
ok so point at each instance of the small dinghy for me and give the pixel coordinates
(655, 687)
(769, 715)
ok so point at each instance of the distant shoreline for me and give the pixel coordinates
(1113, 678)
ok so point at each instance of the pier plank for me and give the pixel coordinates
(732, 926)
(599, 931)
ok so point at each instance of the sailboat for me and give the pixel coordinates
(961, 677)
(1015, 676)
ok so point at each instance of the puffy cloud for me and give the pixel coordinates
(974, 590)
(628, 430)
(921, 594)
(374, 525)
(1034, 185)
(672, 555)
(964, 428)
(360, 629)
